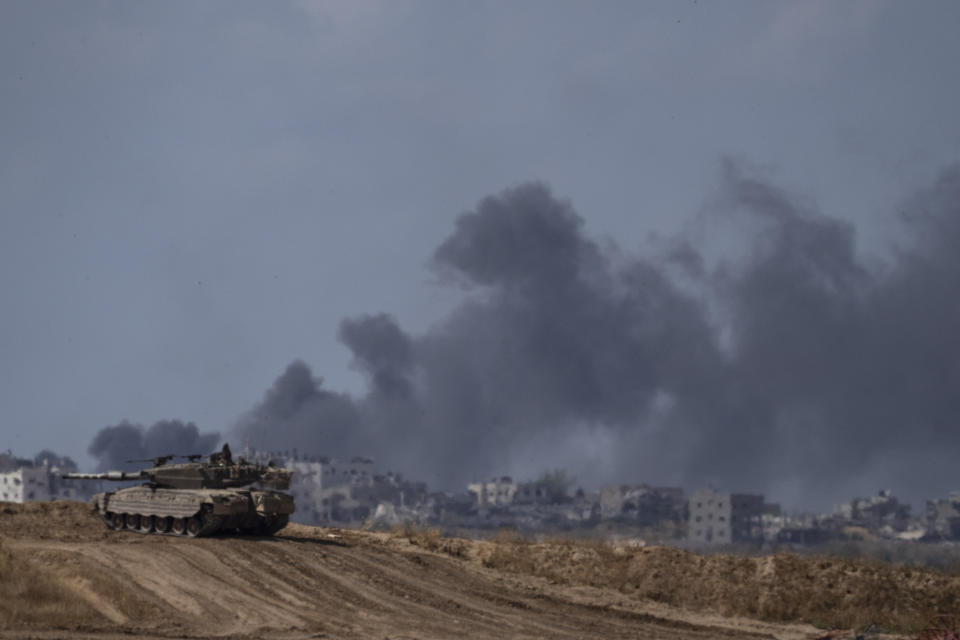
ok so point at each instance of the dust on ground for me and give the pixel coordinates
(62, 574)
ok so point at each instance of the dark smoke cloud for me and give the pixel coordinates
(790, 367)
(297, 412)
(114, 446)
(382, 351)
(54, 459)
(11, 462)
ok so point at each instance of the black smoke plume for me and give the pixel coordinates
(10, 462)
(114, 446)
(54, 459)
(793, 365)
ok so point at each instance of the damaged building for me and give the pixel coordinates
(943, 518)
(642, 504)
(498, 492)
(717, 517)
(344, 492)
(25, 480)
(883, 513)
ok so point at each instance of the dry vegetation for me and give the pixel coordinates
(433, 540)
(944, 557)
(28, 597)
(829, 592)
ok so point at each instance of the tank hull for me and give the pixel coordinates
(194, 512)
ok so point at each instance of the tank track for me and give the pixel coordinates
(271, 526)
(210, 524)
(201, 525)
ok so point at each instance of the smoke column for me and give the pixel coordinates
(791, 366)
(114, 446)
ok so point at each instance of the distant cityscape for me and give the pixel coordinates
(352, 493)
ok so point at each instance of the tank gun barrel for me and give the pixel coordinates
(195, 498)
(159, 461)
(109, 475)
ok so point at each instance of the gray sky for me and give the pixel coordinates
(194, 194)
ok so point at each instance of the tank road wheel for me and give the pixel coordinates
(194, 526)
(112, 519)
(179, 526)
(133, 521)
(146, 524)
(161, 524)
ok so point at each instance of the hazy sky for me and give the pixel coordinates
(192, 195)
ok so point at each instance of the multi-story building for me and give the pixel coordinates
(325, 489)
(943, 517)
(26, 484)
(641, 503)
(306, 484)
(357, 471)
(358, 501)
(882, 511)
(536, 492)
(496, 493)
(31, 482)
(717, 517)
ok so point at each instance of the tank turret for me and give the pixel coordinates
(220, 471)
(197, 497)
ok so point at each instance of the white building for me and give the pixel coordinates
(35, 484)
(340, 488)
(319, 484)
(356, 472)
(498, 492)
(305, 485)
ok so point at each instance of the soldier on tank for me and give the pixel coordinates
(197, 498)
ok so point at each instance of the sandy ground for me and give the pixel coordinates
(310, 582)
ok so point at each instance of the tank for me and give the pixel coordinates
(198, 497)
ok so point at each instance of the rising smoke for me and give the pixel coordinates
(791, 367)
(54, 459)
(115, 446)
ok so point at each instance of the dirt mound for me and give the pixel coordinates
(29, 597)
(828, 592)
(63, 574)
(60, 520)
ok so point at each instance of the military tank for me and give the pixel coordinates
(197, 498)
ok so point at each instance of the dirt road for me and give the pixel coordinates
(306, 582)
